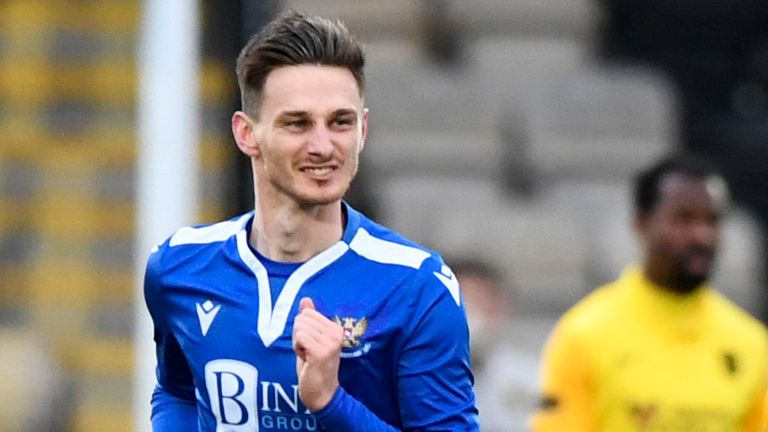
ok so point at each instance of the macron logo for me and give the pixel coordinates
(206, 313)
(449, 280)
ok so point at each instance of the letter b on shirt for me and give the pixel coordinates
(232, 391)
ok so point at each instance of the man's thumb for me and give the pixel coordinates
(306, 303)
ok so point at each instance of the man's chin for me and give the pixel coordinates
(686, 283)
(320, 199)
(308, 196)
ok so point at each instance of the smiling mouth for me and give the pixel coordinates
(699, 262)
(318, 171)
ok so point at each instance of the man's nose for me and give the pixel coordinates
(706, 233)
(320, 142)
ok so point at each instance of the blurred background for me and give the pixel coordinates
(501, 131)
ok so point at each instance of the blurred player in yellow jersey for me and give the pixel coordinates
(659, 349)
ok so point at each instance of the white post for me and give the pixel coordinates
(167, 163)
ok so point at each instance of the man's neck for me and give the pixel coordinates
(287, 232)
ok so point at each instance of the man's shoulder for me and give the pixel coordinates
(594, 310)
(205, 234)
(375, 242)
(734, 320)
(187, 242)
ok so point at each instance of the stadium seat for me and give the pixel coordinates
(739, 269)
(512, 70)
(368, 19)
(541, 251)
(536, 245)
(395, 152)
(567, 19)
(600, 123)
(412, 204)
(403, 90)
(67, 186)
(33, 384)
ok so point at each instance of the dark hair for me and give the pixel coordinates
(295, 39)
(647, 182)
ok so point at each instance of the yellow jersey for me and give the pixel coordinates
(632, 356)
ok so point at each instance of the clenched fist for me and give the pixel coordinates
(317, 343)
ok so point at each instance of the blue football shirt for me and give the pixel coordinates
(223, 319)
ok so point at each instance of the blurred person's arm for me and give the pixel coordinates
(566, 402)
(757, 417)
(174, 407)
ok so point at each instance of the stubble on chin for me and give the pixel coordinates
(317, 195)
(686, 283)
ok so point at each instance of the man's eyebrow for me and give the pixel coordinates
(293, 114)
(303, 114)
(344, 111)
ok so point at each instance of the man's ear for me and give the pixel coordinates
(243, 131)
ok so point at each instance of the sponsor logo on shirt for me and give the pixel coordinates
(240, 402)
(660, 417)
(206, 313)
(232, 388)
(644, 414)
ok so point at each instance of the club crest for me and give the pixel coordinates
(731, 363)
(354, 329)
(644, 415)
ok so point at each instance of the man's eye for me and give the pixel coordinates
(297, 124)
(343, 122)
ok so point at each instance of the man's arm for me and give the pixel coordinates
(566, 396)
(435, 378)
(171, 413)
(757, 416)
(174, 408)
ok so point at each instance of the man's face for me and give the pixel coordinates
(309, 134)
(682, 233)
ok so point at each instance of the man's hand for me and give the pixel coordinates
(317, 343)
